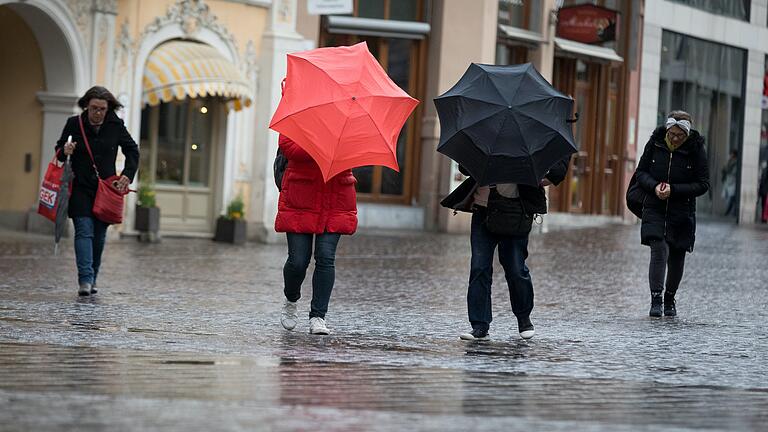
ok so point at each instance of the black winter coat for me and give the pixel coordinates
(534, 198)
(686, 170)
(104, 145)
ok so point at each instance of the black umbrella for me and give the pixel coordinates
(505, 124)
(62, 204)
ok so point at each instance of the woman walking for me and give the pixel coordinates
(312, 211)
(673, 171)
(105, 132)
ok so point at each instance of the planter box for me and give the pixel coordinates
(230, 231)
(147, 219)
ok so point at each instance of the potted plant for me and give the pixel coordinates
(230, 227)
(147, 221)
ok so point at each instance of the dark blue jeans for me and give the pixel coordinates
(513, 250)
(295, 269)
(89, 244)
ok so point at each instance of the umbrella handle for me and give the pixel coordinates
(574, 119)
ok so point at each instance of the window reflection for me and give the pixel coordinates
(706, 79)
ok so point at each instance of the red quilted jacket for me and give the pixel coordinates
(307, 204)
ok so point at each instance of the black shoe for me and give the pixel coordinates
(655, 305)
(525, 327)
(476, 334)
(669, 306)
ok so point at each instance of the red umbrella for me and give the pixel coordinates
(341, 107)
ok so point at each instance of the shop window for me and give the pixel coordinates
(399, 10)
(738, 9)
(707, 80)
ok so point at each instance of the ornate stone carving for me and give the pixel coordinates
(124, 48)
(191, 15)
(105, 6)
(251, 60)
(81, 10)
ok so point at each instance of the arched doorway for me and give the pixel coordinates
(187, 89)
(39, 88)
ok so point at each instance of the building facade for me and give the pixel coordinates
(710, 59)
(199, 80)
(427, 45)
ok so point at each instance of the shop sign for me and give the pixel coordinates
(587, 24)
(329, 7)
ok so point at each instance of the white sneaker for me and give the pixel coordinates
(289, 316)
(317, 326)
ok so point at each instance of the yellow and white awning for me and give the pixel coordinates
(180, 69)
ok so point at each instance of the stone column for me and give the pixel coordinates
(279, 39)
(103, 42)
(56, 107)
(750, 154)
(543, 57)
(463, 31)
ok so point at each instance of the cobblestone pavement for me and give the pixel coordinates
(185, 335)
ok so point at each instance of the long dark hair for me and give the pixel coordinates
(99, 92)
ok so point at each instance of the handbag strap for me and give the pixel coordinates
(88, 147)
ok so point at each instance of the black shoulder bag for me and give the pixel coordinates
(507, 216)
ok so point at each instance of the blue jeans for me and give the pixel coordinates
(513, 250)
(295, 269)
(89, 244)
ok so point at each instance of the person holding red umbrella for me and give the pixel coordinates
(313, 214)
(339, 110)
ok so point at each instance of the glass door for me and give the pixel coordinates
(178, 141)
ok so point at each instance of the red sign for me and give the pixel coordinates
(587, 23)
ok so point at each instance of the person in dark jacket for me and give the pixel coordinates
(673, 171)
(105, 132)
(513, 250)
(311, 210)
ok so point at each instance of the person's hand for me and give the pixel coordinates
(122, 183)
(662, 191)
(666, 192)
(69, 148)
(546, 182)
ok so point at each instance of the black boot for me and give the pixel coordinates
(669, 304)
(655, 305)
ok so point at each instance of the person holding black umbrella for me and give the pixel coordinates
(105, 132)
(513, 248)
(510, 132)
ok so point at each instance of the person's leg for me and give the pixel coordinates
(99, 237)
(295, 269)
(675, 268)
(656, 271)
(325, 273)
(513, 252)
(483, 244)
(84, 227)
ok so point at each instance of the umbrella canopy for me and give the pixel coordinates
(341, 107)
(62, 204)
(505, 124)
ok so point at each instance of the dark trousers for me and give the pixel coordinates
(513, 251)
(295, 269)
(90, 234)
(665, 260)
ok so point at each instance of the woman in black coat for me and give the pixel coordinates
(105, 132)
(673, 171)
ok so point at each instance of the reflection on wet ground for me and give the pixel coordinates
(184, 335)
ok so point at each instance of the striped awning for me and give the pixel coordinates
(181, 69)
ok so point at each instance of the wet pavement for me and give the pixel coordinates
(185, 335)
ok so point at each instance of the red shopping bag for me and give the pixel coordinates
(765, 208)
(50, 189)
